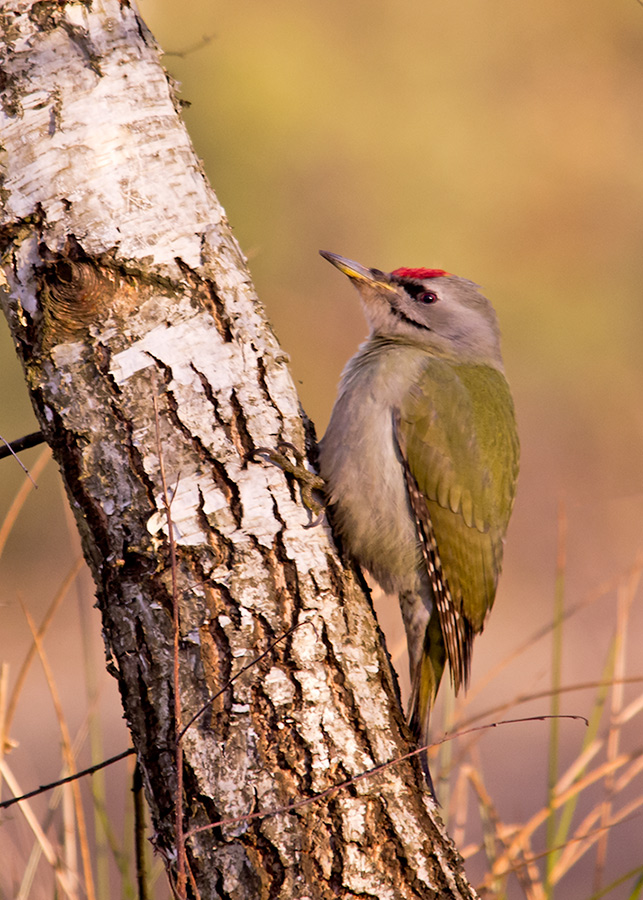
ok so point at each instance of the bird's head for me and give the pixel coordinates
(429, 307)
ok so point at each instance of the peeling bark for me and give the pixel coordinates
(123, 283)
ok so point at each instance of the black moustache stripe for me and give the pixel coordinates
(404, 318)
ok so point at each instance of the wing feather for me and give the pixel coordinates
(458, 443)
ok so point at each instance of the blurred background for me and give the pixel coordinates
(500, 141)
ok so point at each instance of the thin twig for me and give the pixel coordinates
(264, 814)
(544, 694)
(253, 662)
(181, 877)
(139, 834)
(24, 443)
(16, 446)
(54, 784)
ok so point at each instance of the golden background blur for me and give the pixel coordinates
(499, 140)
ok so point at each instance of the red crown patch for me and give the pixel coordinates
(419, 274)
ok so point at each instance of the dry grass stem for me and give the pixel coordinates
(57, 866)
(23, 492)
(60, 595)
(68, 755)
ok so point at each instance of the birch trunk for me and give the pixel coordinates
(122, 285)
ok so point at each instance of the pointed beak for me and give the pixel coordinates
(354, 270)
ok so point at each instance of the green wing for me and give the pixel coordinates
(457, 434)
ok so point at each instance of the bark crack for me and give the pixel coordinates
(239, 430)
(227, 485)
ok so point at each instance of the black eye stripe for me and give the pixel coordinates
(418, 292)
(412, 288)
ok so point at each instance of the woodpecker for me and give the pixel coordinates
(420, 461)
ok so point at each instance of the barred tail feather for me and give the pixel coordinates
(426, 681)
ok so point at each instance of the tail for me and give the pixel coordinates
(426, 681)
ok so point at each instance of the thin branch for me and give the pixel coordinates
(181, 877)
(253, 662)
(264, 814)
(544, 694)
(139, 834)
(24, 443)
(8, 449)
(54, 784)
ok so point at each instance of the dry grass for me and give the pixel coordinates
(576, 831)
(52, 848)
(567, 840)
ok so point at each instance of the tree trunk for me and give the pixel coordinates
(125, 292)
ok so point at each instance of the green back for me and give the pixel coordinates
(459, 429)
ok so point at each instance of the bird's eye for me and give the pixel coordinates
(418, 292)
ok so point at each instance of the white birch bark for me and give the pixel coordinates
(122, 282)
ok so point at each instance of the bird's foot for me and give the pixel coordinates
(308, 481)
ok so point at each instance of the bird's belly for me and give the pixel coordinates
(360, 463)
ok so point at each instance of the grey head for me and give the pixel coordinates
(428, 307)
